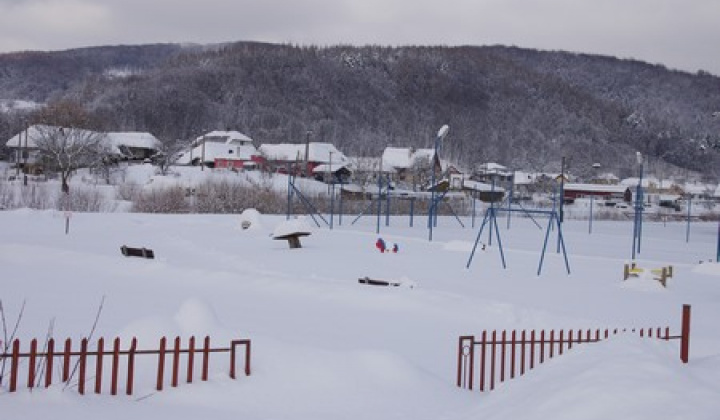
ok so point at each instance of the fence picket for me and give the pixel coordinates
(83, 360)
(191, 357)
(512, 354)
(176, 362)
(503, 338)
(66, 360)
(115, 367)
(161, 364)
(31, 363)
(50, 355)
(131, 366)
(99, 365)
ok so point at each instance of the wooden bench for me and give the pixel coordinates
(659, 274)
(372, 282)
(292, 238)
(137, 252)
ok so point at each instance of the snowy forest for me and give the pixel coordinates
(519, 107)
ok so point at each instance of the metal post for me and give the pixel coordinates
(432, 209)
(512, 185)
(25, 159)
(685, 336)
(562, 190)
(202, 158)
(591, 214)
(689, 206)
(717, 255)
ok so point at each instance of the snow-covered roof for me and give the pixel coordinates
(404, 157)
(114, 139)
(327, 167)
(596, 188)
(317, 152)
(481, 186)
(492, 167)
(227, 137)
(218, 151)
(136, 139)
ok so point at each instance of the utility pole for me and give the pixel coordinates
(25, 158)
(307, 153)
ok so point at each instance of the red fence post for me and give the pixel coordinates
(131, 367)
(460, 361)
(66, 360)
(99, 365)
(552, 343)
(685, 335)
(206, 358)
(512, 354)
(542, 347)
(115, 363)
(176, 362)
(522, 353)
(14, 362)
(161, 364)
(472, 361)
(83, 360)
(561, 340)
(503, 339)
(570, 339)
(492, 360)
(532, 349)
(49, 362)
(191, 356)
(483, 345)
(31, 363)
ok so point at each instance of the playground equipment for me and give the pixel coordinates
(490, 218)
(660, 274)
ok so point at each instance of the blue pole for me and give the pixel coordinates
(717, 256)
(412, 210)
(687, 233)
(473, 209)
(591, 214)
(340, 204)
(332, 204)
(641, 208)
(512, 184)
(387, 203)
(431, 208)
(377, 230)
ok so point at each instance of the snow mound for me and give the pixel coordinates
(459, 246)
(196, 317)
(250, 219)
(644, 282)
(710, 268)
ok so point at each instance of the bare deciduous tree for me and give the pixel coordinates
(63, 150)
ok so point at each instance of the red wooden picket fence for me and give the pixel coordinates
(506, 355)
(40, 364)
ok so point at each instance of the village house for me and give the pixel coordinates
(323, 161)
(610, 194)
(122, 146)
(222, 150)
(409, 165)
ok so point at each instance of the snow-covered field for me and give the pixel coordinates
(326, 347)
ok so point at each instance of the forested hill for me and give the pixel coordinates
(519, 107)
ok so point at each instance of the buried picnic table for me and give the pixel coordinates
(292, 238)
(291, 231)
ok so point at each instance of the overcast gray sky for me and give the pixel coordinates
(680, 34)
